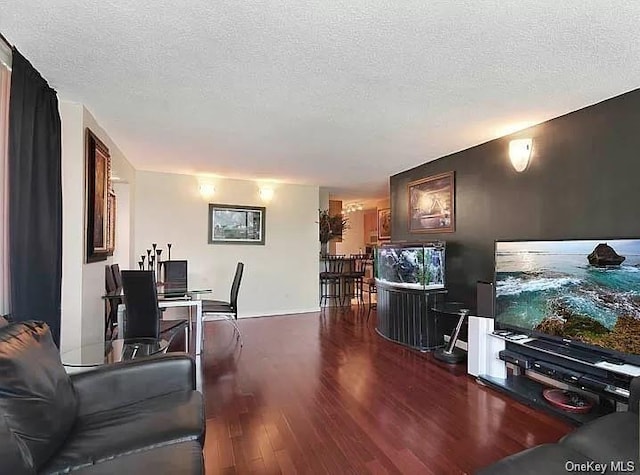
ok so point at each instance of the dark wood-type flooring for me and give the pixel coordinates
(323, 393)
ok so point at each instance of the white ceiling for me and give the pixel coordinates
(339, 93)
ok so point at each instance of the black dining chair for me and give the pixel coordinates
(142, 317)
(117, 276)
(175, 276)
(227, 309)
(111, 304)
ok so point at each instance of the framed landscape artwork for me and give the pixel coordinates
(234, 224)
(384, 224)
(431, 204)
(98, 186)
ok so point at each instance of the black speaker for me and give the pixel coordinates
(485, 299)
(175, 274)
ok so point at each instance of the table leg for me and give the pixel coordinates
(199, 334)
(450, 354)
(120, 318)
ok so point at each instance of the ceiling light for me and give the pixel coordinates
(352, 207)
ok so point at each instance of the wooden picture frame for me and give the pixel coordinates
(235, 224)
(98, 185)
(384, 224)
(111, 222)
(432, 204)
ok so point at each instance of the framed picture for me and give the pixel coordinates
(384, 224)
(98, 186)
(111, 222)
(431, 204)
(233, 224)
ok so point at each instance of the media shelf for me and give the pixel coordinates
(529, 392)
(536, 364)
(598, 361)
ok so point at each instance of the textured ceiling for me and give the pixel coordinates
(336, 93)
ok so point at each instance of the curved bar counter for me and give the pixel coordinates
(405, 316)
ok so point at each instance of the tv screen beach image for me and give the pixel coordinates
(583, 290)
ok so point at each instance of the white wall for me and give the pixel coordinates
(72, 224)
(122, 252)
(82, 283)
(280, 277)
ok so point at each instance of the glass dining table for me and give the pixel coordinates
(171, 296)
(105, 352)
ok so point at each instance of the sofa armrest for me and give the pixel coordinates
(634, 394)
(128, 382)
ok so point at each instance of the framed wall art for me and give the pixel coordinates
(384, 224)
(111, 222)
(234, 224)
(431, 204)
(98, 186)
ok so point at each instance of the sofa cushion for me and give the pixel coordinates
(37, 399)
(613, 437)
(548, 459)
(166, 419)
(184, 458)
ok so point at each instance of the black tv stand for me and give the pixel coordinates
(523, 367)
(571, 352)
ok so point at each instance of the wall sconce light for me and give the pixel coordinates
(266, 193)
(207, 190)
(520, 153)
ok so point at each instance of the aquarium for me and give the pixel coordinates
(584, 291)
(413, 266)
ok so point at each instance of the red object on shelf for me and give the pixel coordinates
(569, 401)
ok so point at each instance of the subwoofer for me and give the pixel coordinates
(485, 299)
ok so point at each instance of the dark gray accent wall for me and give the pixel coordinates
(583, 183)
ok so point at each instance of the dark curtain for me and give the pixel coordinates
(35, 198)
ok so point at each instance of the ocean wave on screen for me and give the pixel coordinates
(516, 286)
(632, 269)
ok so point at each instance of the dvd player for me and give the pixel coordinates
(557, 372)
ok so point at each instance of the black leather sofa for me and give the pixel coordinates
(610, 442)
(142, 416)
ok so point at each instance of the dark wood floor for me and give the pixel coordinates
(321, 393)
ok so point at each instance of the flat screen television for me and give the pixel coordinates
(584, 293)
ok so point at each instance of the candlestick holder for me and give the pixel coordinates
(158, 264)
(169, 251)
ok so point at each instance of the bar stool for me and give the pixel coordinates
(373, 290)
(354, 278)
(330, 278)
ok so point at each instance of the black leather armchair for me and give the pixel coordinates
(610, 441)
(141, 416)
